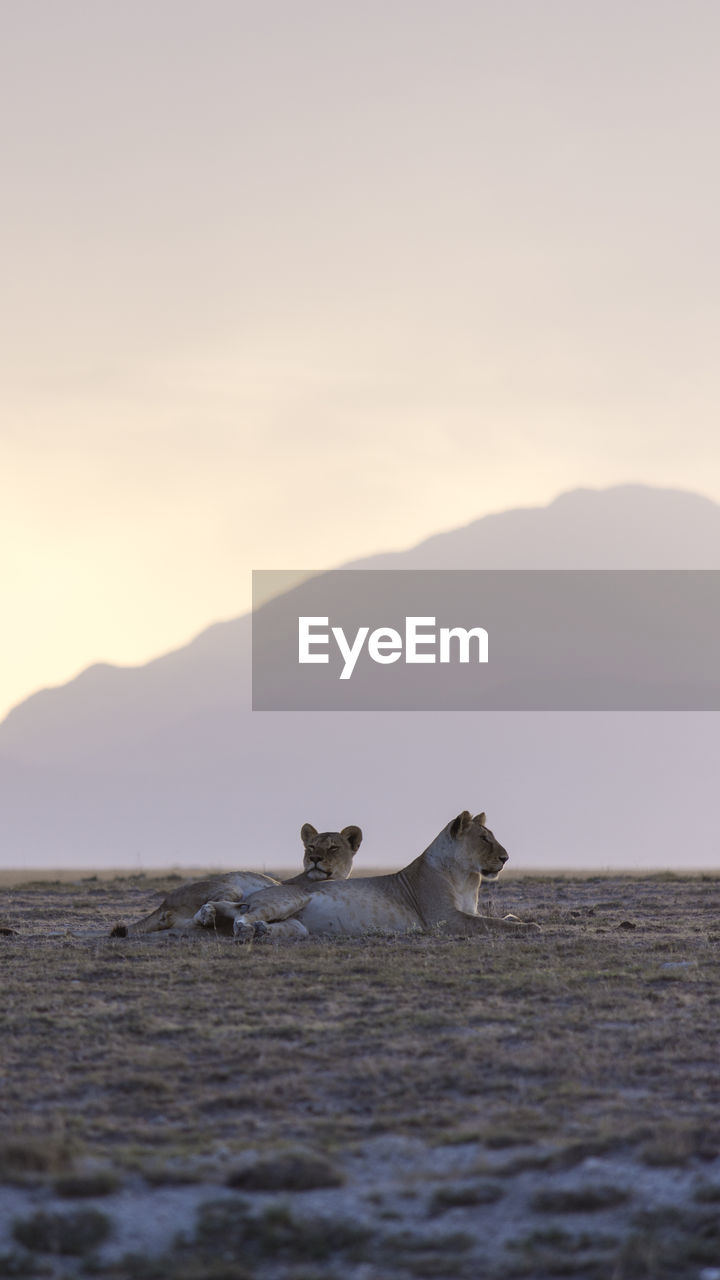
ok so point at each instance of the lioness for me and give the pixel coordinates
(328, 856)
(438, 890)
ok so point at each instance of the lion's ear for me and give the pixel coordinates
(307, 833)
(480, 817)
(353, 835)
(460, 824)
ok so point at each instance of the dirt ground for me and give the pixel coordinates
(369, 1108)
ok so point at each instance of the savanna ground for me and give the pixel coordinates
(370, 1108)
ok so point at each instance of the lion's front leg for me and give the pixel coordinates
(268, 905)
(470, 926)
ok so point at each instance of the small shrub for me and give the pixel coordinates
(578, 1199)
(180, 1266)
(86, 1185)
(555, 1252)
(19, 1264)
(675, 1146)
(71, 1233)
(22, 1158)
(274, 1233)
(143, 1084)
(708, 1193)
(168, 1175)
(526, 1162)
(464, 1197)
(277, 1231)
(286, 1171)
(402, 1245)
(668, 1243)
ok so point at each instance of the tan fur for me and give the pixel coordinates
(328, 855)
(438, 890)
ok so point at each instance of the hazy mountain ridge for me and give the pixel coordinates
(628, 526)
(625, 527)
(163, 691)
(165, 762)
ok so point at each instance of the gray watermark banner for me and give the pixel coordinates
(501, 640)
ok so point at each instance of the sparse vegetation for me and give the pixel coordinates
(27, 1159)
(464, 1196)
(582, 1199)
(668, 1243)
(195, 1061)
(276, 1232)
(296, 1170)
(83, 1186)
(22, 1264)
(65, 1233)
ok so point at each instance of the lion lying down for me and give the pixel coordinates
(328, 856)
(438, 890)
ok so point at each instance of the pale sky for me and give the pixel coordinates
(289, 283)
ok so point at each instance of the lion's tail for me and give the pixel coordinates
(153, 923)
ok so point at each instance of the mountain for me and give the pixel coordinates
(165, 763)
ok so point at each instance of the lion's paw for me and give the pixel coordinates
(243, 932)
(523, 926)
(205, 917)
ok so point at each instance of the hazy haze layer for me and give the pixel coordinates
(166, 764)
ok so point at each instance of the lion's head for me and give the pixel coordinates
(329, 854)
(481, 851)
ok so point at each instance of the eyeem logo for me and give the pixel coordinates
(562, 640)
(386, 645)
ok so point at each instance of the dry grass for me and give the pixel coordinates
(126, 1048)
(588, 1038)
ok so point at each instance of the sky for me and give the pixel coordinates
(287, 284)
